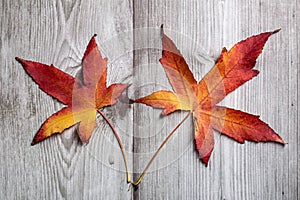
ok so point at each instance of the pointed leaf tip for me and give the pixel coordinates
(20, 60)
(280, 140)
(33, 142)
(162, 29)
(205, 160)
(276, 31)
(91, 45)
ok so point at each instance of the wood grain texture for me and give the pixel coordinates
(62, 167)
(235, 171)
(128, 34)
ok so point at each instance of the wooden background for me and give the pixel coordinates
(128, 34)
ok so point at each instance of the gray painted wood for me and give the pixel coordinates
(62, 167)
(128, 34)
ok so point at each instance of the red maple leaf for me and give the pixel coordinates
(232, 69)
(83, 98)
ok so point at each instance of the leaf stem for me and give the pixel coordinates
(135, 184)
(120, 144)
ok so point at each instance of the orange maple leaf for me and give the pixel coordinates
(231, 70)
(83, 99)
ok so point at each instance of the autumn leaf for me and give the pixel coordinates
(82, 98)
(232, 69)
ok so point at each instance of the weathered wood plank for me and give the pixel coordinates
(264, 171)
(61, 167)
(249, 171)
(129, 35)
(177, 173)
